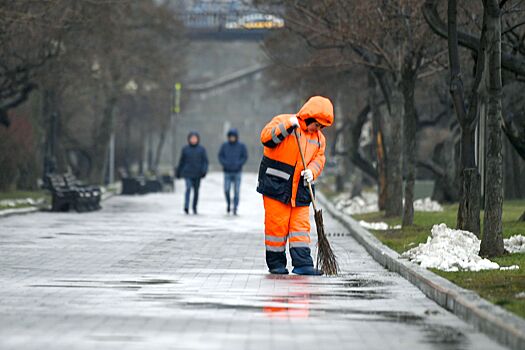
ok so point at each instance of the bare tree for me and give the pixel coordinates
(487, 88)
(29, 38)
(393, 41)
(492, 240)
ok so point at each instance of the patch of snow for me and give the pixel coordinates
(367, 203)
(520, 295)
(23, 201)
(515, 244)
(450, 250)
(511, 267)
(7, 212)
(380, 226)
(427, 204)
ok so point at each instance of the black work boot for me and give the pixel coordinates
(276, 262)
(279, 271)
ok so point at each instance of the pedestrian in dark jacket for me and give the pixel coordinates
(193, 166)
(232, 155)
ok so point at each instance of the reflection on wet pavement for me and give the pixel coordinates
(141, 275)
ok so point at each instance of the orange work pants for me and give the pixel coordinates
(283, 223)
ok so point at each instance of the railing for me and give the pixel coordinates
(230, 21)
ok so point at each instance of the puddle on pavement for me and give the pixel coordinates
(317, 299)
(79, 234)
(82, 286)
(150, 281)
(116, 338)
(445, 337)
(354, 283)
(351, 294)
(121, 284)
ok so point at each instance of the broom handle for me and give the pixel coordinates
(304, 166)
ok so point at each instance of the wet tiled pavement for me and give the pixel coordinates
(142, 275)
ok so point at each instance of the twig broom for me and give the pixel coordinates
(326, 259)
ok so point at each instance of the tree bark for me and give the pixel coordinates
(469, 209)
(469, 201)
(158, 152)
(378, 139)
(514, 167)
(492, 240)
(394, 198)
(514, 128)
(409, 137)
(101, 138)
(127, 146)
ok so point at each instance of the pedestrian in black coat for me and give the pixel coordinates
(193, 166)
(232, 156)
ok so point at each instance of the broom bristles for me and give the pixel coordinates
(326, 259)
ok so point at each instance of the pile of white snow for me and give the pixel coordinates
(367, 203)
(427, 204)
(451, 250)
(381, 226)
(515, 244)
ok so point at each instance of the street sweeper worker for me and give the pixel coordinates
(282, 182)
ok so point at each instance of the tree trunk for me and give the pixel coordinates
(158, 152)
(409, 137)
(394, 198)
(149, 154)
(378, 140)
(127, 146)
(101, 138)
(142, 150)
(469, 202)
(470, 186)
(514, 167)
(357, 184)
(469, 209)
(492, 240)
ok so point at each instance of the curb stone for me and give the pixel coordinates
(497, 323)
(29, 210)
(20, 211)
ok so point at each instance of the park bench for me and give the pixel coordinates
(69, 193)
(90, 196)
(141, 185)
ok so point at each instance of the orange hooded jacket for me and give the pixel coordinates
(280, 171)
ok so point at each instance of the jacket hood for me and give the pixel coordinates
(194, 133)
(319, 108)
(233, 132)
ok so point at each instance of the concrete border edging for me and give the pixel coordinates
(497, 323)
(20, 211)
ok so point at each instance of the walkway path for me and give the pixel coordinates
(142, 275)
